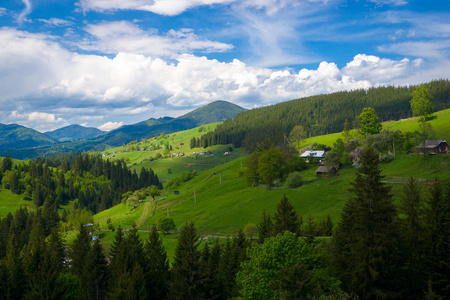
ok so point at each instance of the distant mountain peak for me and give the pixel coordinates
(75, 132)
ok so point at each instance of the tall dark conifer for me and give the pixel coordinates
(412, 232)
(286, 219)
(368, 228)
(158, 274)
(188, 276)
(265, 228)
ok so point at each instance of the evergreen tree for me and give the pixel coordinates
(158, 274)
(437, 243)
(79, 251)
(188, 276)
(366, 240)
(412, 232)
(286, 219)
(265, 228)
(211, 259)
(95, 273)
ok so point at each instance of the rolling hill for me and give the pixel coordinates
(17, 136)
(214, 112)
(74, 132)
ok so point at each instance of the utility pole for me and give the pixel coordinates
(167, 212)
(220, 176)
(241, 167)
(195, 198)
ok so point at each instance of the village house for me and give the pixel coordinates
(433, 147)
(307, 155)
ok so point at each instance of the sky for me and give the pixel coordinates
(108, 63)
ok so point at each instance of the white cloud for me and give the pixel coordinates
(25, 12)
(108, 126)
(56, 22)
(43, 117)
(162, 7)
(389, 2)
(123, 36)
(2, 11)
(43, 82)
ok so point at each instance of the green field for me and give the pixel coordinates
(223, 202)
(10, 202)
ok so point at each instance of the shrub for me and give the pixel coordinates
(294, 179)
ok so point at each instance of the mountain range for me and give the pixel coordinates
(23, 143)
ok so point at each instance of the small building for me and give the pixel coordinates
(176, 192)
(307, 155)
(326, 171)
(433, 147)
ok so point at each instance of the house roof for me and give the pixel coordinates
(320, 154)
(431, 144)
(324, 169)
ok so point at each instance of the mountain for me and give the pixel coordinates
(214, 112)
(74, 132)
(17, 136)
(217, 111)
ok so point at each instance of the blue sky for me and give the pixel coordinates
(104, 64)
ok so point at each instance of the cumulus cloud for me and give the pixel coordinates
(56, 22)
(51, 84)
(162, 7)
(123, 36)
(108, 126)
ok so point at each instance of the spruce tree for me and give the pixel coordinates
(158, 274)
(366, 238)
(188, 276)
(79, 251)
(286, 219)
(265, 228)
(412, 233)
(95, 273)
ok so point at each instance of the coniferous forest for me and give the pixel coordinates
(320, 114)
(377, 250)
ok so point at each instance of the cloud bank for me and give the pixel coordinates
(43, 83)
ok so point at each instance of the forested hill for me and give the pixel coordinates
(324, 114)
(74, 132)
(17, 136)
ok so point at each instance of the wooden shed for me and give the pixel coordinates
(325, 171)
(433, 147)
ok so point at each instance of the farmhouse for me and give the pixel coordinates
(325, 171)
(433, 147)
(313, 154)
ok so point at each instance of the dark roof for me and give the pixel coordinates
(324, 169)
(431, 144)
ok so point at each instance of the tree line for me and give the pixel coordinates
(320, 114)
(95, 183)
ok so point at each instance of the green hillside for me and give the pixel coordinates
(17, 136)
(74, 132)
(223, 202)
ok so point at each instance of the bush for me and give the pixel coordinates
(294, 179)
(166, 225)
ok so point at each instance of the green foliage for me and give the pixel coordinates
(286, 219)
(166, 225)
(297, 135)
(187, 268)
(421, 103)
(367, 236)
(283, 267)
(158, 275)
(294, 179)
(369, 122)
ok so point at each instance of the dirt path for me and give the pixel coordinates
(144, 215)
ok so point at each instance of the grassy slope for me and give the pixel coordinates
(222, 208)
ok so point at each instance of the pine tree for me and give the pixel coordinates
(158, 274)
(79, 251)
(437, 243)
(187, 271)
(366, 238)
(95, 273)
(265, 228)
(286, 219)
(412, 233)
